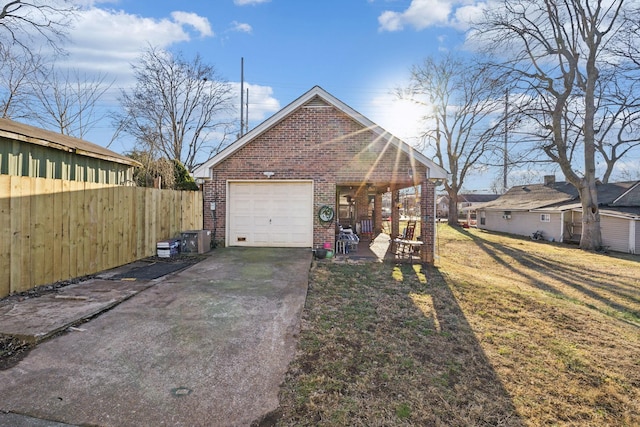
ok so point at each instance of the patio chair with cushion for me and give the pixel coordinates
(347, 241)
(366, 228)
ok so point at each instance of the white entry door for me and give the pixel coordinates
(270, 214)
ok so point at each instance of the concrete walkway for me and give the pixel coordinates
(208, 346)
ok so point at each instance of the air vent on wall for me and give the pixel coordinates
(316, 102)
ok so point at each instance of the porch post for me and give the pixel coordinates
(377, 214)
(362, 208)
(428, 221)
(395, 214)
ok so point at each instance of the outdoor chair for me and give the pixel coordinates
(366, 228)
(409, 231)
(347, 241)
(404, 245)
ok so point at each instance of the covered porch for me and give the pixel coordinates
(377, 212)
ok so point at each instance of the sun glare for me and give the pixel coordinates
(401, 117)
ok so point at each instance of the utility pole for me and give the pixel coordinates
(241, 97)
(506, 134)
(246, 110)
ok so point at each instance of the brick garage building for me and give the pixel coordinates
(269, 186)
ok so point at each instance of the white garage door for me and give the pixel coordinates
(271, 214)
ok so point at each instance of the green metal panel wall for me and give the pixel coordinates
(23, 159)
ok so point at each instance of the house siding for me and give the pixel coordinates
(319, 143)
(20, 158)
(523, 224)
(615, 233)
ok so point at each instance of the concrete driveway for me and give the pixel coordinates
(208, 346)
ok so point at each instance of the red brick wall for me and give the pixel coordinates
(318, 143)
(427, 229)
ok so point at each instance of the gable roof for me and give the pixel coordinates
(534, 196)
(631, 197)
(33, 135)
(471, 198)
(477, 198)
(564, 196)
(434, 171)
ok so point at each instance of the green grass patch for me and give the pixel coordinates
(502, 331)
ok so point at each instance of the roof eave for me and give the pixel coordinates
(66, 148)
(434, 172)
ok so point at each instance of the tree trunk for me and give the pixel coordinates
(453, 208)
(591, 238)
(591, 235)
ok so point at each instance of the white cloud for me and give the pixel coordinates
(420, 15)
(427, 13)
(107, 41)
(262, 104)
(466, 15)
(241, 27)
(199, 23)
(250, 2)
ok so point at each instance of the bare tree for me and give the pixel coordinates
(617, 122)
(152, 169)
(628, 46)
(557, 48)
(460, 101)
(17, 72)
(21, 21)
(67, 101)
(179, 108)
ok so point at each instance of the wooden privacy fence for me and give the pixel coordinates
(53, 230)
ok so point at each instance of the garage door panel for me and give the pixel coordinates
(244, 206)
(298, 237)
(260, 239)
(260, 221)
(280, 222)
(271, 214)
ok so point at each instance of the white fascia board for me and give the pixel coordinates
(434, 172)
(626, 192)
(204, 169)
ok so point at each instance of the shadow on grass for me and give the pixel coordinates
(386, 344)
(605, 291)
(470, 388)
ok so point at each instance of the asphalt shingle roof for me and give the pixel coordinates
(630, 198)
(477, 198)
(534, 196)
(20, 131)
(616, 196)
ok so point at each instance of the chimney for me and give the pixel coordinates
(549, 180)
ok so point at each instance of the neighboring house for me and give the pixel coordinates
(442, 206)
(554, 208)
(466, 204)
(285, 182)
(30, 151)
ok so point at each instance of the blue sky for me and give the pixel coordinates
(358, 50)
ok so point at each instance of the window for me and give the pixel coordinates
(545, 217)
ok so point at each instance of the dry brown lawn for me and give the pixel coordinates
(502, 331)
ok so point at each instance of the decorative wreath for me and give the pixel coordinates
(326, 213)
